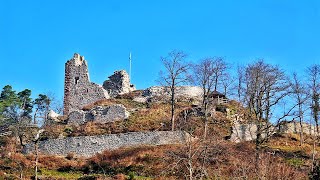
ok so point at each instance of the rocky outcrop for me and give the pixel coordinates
(248, 131)
(110, 113)
(53, 116)
(77, 118)
(90, 145)
(294, 127)
(100, 114)
(243, 132)
(118, 83)
(182, 92)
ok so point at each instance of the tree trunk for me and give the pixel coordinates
(205, 120)
(301, 126)
(258, 145)
(172, 108)
(36, 163)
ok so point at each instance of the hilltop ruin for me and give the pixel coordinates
(79, 91)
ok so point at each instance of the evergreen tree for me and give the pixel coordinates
(42, 105)
(25, 102)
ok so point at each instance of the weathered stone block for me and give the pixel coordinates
(77, 118)
(100, 114)
(109, 114)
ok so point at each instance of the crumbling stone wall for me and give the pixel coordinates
(100, 114)
(184, 92)
(248, 131)
(78, 90)
(294, 127)
(118, 83)
(90, 145)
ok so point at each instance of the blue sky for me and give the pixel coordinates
(38, 37)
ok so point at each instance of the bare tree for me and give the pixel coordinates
(300, 97)
(192, 160)
(314, 84)
(175, 74)
(203, 75)
(227, 82)
(219, 70)
(265, 86)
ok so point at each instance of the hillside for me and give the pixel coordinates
(215, 158)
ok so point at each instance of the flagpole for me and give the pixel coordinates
(130, 66)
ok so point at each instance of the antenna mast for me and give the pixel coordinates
(130, 65)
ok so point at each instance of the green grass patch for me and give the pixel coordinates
(296, 162)
(58, 174)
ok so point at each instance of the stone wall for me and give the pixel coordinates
(247, 132)
(118, 83)
(186, 92)
(100, 114)
(78, 90)
(90, 145)
(294, 127)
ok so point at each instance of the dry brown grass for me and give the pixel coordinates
(128, 103)
(224, 160)
(56, 162)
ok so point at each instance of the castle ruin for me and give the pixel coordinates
(79, 91)
(118, 83)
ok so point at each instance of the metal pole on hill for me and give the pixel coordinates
(130, 66)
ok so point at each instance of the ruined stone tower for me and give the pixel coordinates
(78, 90)
(118, 83)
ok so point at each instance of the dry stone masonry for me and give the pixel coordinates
(87, 146)
(181, 92)
(118, 83)
(99, 114)
(78, 90)
(248, 131)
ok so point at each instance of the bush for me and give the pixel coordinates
(70, 155)
(315, 173)
(68, 130)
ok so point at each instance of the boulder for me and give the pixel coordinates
(54, 116)
(110, 113)
(77, 118)
(100, 114)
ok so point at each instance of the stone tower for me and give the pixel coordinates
(118, 83)
(78, 90)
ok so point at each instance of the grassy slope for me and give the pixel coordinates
(281, 157)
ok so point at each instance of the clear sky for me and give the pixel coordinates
(38, 37)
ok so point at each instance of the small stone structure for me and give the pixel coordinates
(90, 145)
(99, 114)
(78, 90)
(218, 98)
(118, 83)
